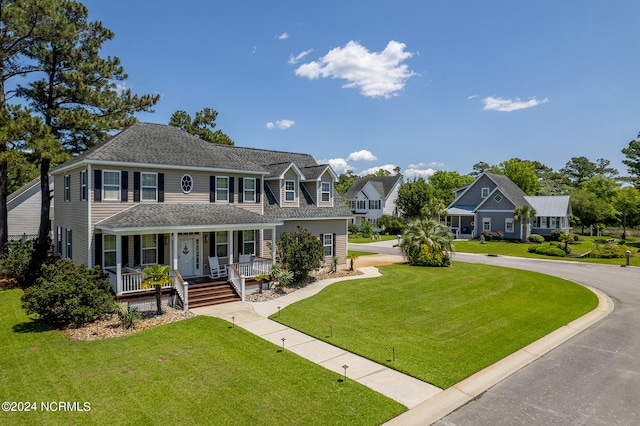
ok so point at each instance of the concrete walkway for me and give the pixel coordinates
(426, 403)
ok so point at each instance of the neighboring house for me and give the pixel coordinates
(23, 207)
(371, 197)
(156, 194)
(488, 203)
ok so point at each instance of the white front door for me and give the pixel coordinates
(186, 255)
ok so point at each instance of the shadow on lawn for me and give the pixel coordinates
(33, 326)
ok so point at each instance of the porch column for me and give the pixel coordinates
(273, 245)
(230, 246)
(175, 251)
(118, 264)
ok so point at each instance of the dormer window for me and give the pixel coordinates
(485, 192)
(325, 192)
(290, 190)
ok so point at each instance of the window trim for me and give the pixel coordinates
(327, 245)
(251, 192)
(143, 187)
(290, 191)
(484, 192)
(104, 185)
(252, 241)
(67, 187)
(68, 244)
(508, 225)
(486, 220)
(326, 192)
(84, 193)
(374, 204)
(186, 178)
(361, 204)
(224, 244)
(59, 239)
(226, 190)
(144, 248)
(105, 251)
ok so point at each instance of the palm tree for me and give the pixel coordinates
(522, 214)
(426, 232)
(156, 276)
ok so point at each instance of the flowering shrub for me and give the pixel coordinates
(493, 236)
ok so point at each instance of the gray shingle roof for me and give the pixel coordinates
(382, 184)
(510, 189)
(307, 209)
(167, 216)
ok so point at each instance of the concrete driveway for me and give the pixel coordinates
(592, 379)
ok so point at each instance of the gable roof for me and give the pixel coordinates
(306, 209)
(509, 189)
(382, 184)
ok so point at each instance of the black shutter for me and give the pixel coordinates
(70, 244)
(124, 186)
(136, 249)
(258, 190)
(240, 243)
(240, 190)
(161, 187)
(333, 240)
(98, 250)
(160, 244)
(231, 189)
(125, 249)
(212, 244)
(212, 189)
(81, 185)
(136, 186)
(97, 185)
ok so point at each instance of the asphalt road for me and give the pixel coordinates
(592, 379)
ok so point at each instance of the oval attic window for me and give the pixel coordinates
(186, 183)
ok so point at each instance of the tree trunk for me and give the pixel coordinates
(42, 242)
(159, 299)
(4, 217)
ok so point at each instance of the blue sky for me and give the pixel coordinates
(423, 85)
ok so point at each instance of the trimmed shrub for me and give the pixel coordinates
(611, 251)
(392, 225)
(535, 238)
(15, 262)
(353, 228)
(555, 251)
(547, 250)
(67, 294)
(429, 257)
(541, 249)
(493, 236)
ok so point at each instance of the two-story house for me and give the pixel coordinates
(487, 204)
(371, 197)
(154, 194)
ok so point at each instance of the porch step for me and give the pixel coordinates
(212, 293)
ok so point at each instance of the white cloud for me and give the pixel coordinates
(362, 155)
(377, 74)
(388, 167)
(339, 165)
(297, 58)
(415, 172)
(280, 124)
(283, 36)
(435, 164)
(472, 97)
(508, 105)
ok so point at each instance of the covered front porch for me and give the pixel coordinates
(187, 238)
(461, 223)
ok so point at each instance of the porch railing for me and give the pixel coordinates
(257, 266)
(132, 281)
(237, 280)
(182, 288)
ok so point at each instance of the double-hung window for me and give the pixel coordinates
(325, 192)
(249, 190)
(484, 192)
(69, 245)
(222, 243)
(67, 187)
(290, 190)
(149, 249)
(327, 242)
(508, 225)
(374, 204)
(362, 204)
(109, 251)
(149, 186)
(110, 185)
(59, 239)
(486, 224)
(83, 185)
(222, 189)
(352, 204)
(248, 242)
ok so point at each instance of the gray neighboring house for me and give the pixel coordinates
(371, 197)
(154, 194)
(23, 208)
(487, 204)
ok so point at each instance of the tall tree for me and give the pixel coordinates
(632, 153)
(201, 125)
(522, 173)
(412, 196)
(444, 183)
(479, 168)
(76, 93)
(19, 20)
(579, 169)
(626, 201)
(588, 209)
(345, 181)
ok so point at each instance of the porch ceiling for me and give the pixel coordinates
(457, 211)
(175, 217)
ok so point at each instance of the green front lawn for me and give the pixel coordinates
(197, 371)
(515, 248)
(357, 239)
(445, 323)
